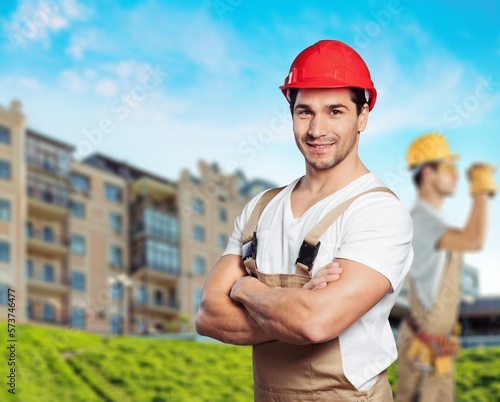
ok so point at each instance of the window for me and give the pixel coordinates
(48, 312)
(29, 308)
(162, 257)
(80, 183)
(141, 326)
(48, 273)
(4, 135)
(161, 225)
(198, 233)
(77, 209)
(158, 298)
(116, 324)
(222, 214)
(198, 207)
(77, 245)
(112, 193)
(200, 265)
(115, 290)
(4, 251)
(4, 295)
(48, 235)
(141, 295)
(78, 280)
(78, 318)
(29, 269)
(29, 230)
(222, 240)
(115, 256)
(4, 210)
(115, 221)
(197, 299)
(4, 170)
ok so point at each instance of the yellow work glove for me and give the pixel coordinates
(481, 179)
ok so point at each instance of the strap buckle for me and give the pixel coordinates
(307, 254)
(249, 249)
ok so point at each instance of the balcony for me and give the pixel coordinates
(54, 249)
(148, 187)
(166, 309)
(47, 204)
(152, 275)
(40, 285)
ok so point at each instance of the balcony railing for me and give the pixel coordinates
(47, 196)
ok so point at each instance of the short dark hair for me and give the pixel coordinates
(417, 176)
(357, 96)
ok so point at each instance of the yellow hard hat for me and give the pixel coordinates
(430, 147)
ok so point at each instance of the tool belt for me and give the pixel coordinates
(431, 352)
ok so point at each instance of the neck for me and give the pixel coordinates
(431, 197)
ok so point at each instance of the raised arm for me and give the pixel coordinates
(299, 316)
(219, 316)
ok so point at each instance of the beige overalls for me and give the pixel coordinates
(284, 372)
(426, 345)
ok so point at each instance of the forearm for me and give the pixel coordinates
(223, 319)
(477, 221)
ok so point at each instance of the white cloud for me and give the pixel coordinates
(106, 87)
(73, 81)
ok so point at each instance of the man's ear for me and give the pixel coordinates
(363, 118)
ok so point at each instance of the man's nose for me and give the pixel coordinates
(318, 127)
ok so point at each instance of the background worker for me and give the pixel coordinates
(426, 346)
(332, 343)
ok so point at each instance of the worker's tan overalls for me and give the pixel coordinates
(284, 372)
(421, 371)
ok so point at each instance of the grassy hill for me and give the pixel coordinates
(64, 365)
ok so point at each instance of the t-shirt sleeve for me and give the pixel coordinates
(378, 233)
(234, 243)
(428, 229)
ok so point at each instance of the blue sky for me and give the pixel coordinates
(167, 83)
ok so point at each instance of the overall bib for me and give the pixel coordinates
(427, 347)
(284, 372)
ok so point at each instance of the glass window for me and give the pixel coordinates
(141, 295)
(29, 269)
(198, 206)
(141, 326)
(112, 192)
(48, 235)
(116, 324)
(162, 256)
(78, 318)
(115, 256)
(48, 273)
(115, 221)
(29, 308)
(116, 290)
(200, 265)
(161, 225)
(48, 312)
(77, 245)
(198, 233)
(80, 182)
(29, 230)
(4, 251)
(4, 295)
(197, 299)
(158, 298)
(4, 135)
(222, 240)
(4, 169)
(78, 280)
(77, 209)
(4, 210)
(222, 214)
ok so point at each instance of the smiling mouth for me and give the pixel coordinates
(320, 146)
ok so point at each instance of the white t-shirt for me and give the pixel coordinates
(429, 263)
(376, 230)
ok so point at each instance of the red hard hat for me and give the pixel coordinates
(330, 64)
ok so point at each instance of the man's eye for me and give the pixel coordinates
(304, 112)
(335, 112)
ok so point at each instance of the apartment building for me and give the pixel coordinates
(104, 246)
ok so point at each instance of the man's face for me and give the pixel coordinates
(326, 126)
(446, 178)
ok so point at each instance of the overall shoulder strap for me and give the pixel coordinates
(315, 233)
(252, 221)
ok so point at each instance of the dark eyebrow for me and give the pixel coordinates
(337, 106)
(302, 106)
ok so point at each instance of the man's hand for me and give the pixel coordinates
(242, 284)
(329, 273)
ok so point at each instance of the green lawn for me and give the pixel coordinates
(70, 366)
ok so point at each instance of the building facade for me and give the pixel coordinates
(104, 246)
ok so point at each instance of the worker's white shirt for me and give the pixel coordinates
(428, 266)
(376, 230)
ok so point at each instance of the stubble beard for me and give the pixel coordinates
(342, 152)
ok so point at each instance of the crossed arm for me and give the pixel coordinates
(239, 309)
